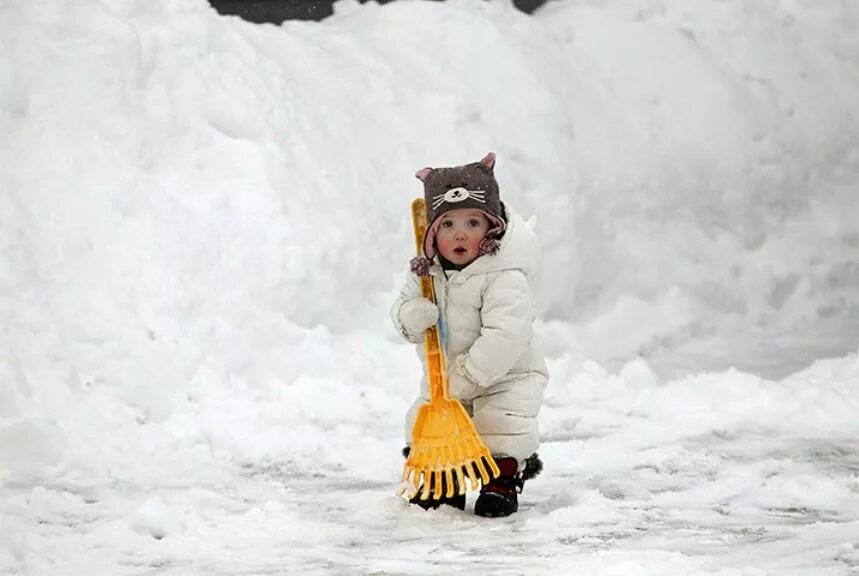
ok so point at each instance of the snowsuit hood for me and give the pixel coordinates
(519, 249)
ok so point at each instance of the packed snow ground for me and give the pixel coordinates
(203, 222)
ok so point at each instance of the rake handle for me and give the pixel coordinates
(446, 448)
(434, 356)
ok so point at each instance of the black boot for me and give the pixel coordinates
(499, 497)
(457, 500)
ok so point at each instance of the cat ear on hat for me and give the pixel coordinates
(488, 162)
(423, 174)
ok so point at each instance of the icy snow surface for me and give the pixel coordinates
(203, 222)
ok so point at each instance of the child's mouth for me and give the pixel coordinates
(460, 251)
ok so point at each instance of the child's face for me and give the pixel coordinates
(459, 234)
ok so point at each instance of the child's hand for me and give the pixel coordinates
(418, 314)
(420, 266)
(459, 382)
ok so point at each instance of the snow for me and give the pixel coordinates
(204, 221)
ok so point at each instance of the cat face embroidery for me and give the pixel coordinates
(456, 195)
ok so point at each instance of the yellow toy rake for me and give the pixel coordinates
(446, 449)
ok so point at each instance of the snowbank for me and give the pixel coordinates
(202, 221)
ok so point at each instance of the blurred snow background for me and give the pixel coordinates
(203, 221)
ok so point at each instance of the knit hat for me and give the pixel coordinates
(469, 186)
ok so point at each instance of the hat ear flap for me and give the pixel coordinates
(488, 162)
(423, 174)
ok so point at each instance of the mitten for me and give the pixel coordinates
(460, 384)
(420, 265)
(418, 314)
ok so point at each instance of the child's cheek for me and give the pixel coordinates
(443, 246)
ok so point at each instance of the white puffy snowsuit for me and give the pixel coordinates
(486, 313)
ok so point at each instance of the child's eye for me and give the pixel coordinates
(474, 223)
(446, 224)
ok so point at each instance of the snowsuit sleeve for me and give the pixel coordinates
(411, 289)
(507, 315)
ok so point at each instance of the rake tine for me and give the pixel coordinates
(425, 493)
(484, 475)
(461, 485)
(409, 473)
(493, 467)
(436, 481)
(471, 475)
(407, 487)
(448, 483)
(462, 451)
(409, 480)
(454, 464)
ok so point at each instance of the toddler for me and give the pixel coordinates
(481, 256)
